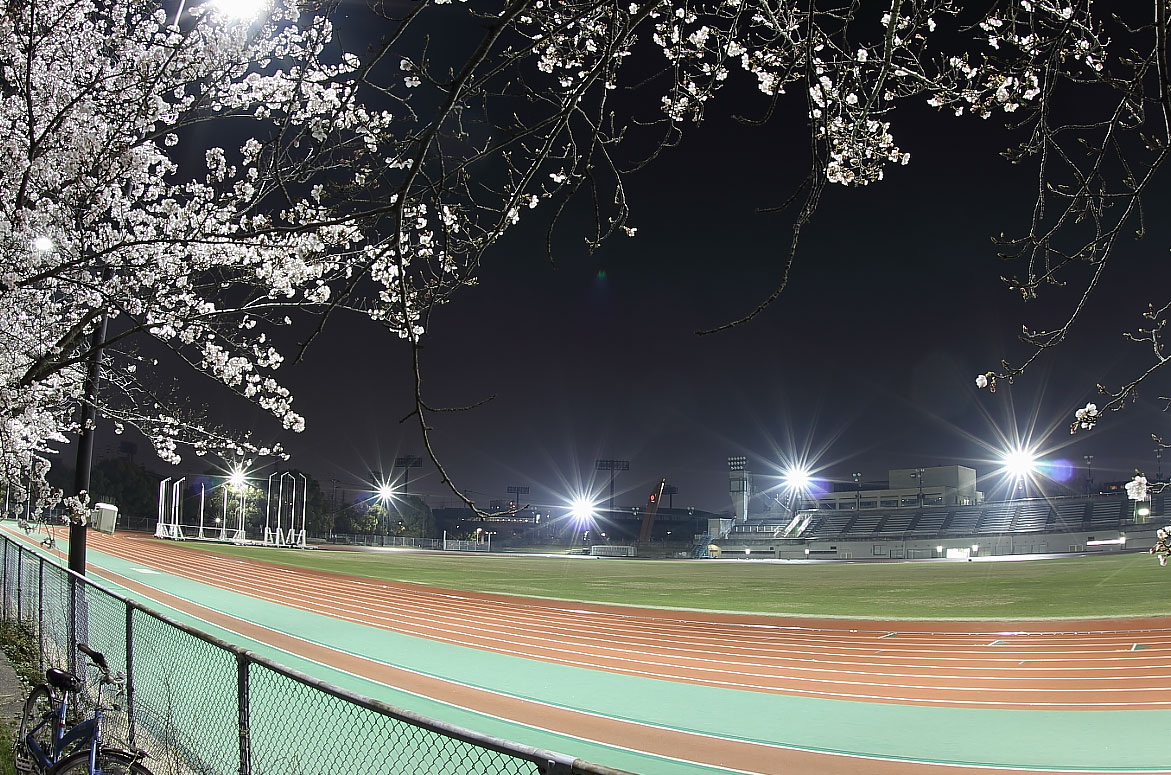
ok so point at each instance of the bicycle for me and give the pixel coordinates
(48, 745)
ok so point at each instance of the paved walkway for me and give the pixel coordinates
(11, 695)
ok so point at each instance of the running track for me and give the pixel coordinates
(1121, 666)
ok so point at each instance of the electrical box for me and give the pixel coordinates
(103, 517)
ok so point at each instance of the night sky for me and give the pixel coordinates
(866, 362)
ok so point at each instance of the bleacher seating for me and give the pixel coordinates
(930, 521)
(1069, 516)
(829, 524)
(961, 521)
(896, 522)
(997, 518)
(866, 522)
(1026, 516)
(1108, 513)
(1032, 516)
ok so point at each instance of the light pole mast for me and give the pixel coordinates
(612, 465)
(406, 463)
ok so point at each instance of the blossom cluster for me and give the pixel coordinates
(1085, 418)
(1136, 488)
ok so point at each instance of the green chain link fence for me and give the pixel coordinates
(232, 712)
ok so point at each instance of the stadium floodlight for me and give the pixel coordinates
(385, 491)
(797, 478)
(1019, 463)
(582, 510)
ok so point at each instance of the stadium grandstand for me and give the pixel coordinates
(922, 513)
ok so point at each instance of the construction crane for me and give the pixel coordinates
(652, 508)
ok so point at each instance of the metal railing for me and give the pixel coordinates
(198, 705)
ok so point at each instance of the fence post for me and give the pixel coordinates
(19, 583)
(130, 673)
(5, 581)
(71, 643)
(243, 700)
(41, 613)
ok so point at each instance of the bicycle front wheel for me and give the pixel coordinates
(37, 720)
(110, 762)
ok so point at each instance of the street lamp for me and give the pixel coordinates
(177, 508)
(280, 504)
(385, 495)
(161, 528)
(299, 539)
(268, 508)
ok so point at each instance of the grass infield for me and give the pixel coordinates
(1115, 585)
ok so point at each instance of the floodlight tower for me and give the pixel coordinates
(407, 462)
(739, 486)
(1089, 474)
(608, 464)
(517, 490)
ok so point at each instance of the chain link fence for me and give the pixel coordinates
(200, 706)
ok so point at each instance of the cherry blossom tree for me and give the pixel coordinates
(188, 185)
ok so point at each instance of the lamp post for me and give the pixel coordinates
(280, 504)
(177, 508)
(304, 507)
(857, 477)
(268, 507)
(1089, 474)
(161, 527)
(202, 494)
(1158, 464)
(385, 496)
(611, 465)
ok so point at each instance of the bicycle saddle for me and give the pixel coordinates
(63, 679)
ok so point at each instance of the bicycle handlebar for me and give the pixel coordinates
(96, 657)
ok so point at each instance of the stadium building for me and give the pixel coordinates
(920, 513)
